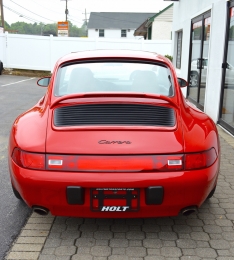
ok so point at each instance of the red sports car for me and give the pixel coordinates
(114, 138)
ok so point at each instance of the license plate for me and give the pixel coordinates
(115, 199)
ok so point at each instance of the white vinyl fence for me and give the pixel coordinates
(41, 52)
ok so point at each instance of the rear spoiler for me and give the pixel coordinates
(113, 94)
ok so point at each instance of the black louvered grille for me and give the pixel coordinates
(114, 114)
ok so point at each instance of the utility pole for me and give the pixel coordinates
(66, 11)
(42, 27)
(86, 22)
(2, 14)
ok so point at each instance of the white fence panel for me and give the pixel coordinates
(162, 47)
(27, 52)
(63, 46)
(2, 47)
(41, 52)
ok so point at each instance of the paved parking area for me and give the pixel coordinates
(209, 234)
(17, 94)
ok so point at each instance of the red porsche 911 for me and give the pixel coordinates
(114, 138)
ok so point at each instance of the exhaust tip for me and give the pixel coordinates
(40, 210)
(189, 210)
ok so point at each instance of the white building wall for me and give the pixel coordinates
(161, 30)
(166, 15)
(162, 25)
(184, 11)
(112, 33)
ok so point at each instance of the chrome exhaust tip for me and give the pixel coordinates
(189, 210)
(40, 210)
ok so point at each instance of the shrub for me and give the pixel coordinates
(169, 57)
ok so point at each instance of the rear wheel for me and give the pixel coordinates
(211, 193)
(16, 193)
(1, 68)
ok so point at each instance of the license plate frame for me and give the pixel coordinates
(123, 199)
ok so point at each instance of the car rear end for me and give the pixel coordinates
(114, 144)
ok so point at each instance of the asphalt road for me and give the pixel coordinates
(17, 94)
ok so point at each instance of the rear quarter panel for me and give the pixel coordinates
(200, 132)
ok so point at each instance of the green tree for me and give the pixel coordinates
(49, 29)
(43, 29)
(6, 25)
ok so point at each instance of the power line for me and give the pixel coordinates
(53, 10)
(42, 16)
(70, 19)
(58, 12)
(29, 18)
(46, 8)
(26, 17)
(32, 12)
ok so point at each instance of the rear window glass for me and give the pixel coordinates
(114, 77)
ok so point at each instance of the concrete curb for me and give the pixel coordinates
(31, 240)
(226, 136)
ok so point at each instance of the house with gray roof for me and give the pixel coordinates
(115, 24)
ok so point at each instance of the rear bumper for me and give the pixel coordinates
(49, 189)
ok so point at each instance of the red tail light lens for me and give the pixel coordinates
(122, 163)
(29, 160)
(115, 163)
(200, 160)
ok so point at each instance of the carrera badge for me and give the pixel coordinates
(113, 142)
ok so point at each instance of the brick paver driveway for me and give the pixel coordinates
(206, 235)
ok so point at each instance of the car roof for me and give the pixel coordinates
(98, 54)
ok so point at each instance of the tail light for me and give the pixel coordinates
(200, 160)
(29, 160)
(122, 163)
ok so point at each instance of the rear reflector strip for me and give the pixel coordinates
(122, 163)
(174, 162)
(55, 162)
(114, 163)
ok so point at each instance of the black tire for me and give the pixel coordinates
(211, 193)
(193, 80)
(1, 68)
(16, 193)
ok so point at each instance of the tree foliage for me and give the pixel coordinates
(43, 29)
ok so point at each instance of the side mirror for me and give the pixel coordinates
(44, 82)
(183, 83)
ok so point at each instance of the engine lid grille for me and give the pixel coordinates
(114, 114)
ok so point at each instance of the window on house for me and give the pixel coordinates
(123, 33)
(101, 33)
(179, 49)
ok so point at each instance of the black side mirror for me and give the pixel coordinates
(183, 83)
(44, 82)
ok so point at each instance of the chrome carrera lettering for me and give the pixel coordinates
(113, 142)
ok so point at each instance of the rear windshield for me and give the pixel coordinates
(114, 77)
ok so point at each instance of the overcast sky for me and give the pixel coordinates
(50, 11)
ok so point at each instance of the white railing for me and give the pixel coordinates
(41, 52)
